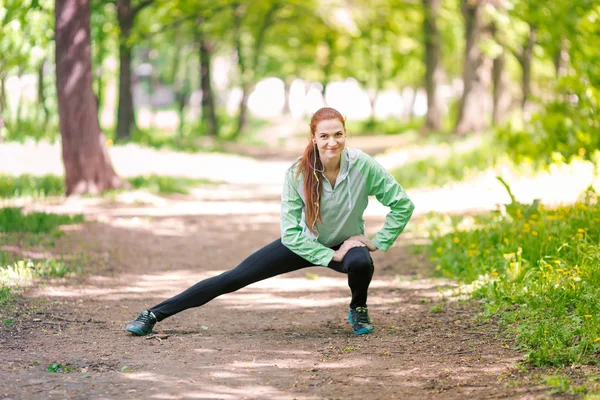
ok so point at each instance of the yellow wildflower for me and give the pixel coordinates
(534, 233)
(551, 217)
(588, 315)
(506, 240)
(439, 250)
(456, 240)
(597, 340)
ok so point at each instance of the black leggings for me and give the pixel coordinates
(273, 259)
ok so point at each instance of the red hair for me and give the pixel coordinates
(312, 190)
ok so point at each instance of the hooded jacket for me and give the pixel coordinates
(342, 207)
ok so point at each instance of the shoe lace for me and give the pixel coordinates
(144, 317)
(362, 316)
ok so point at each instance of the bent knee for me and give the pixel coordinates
(358, 261)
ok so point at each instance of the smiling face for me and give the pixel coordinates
(330, 138)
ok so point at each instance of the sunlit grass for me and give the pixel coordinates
(434, 171)
(12, 219)
(536, 268)
(53, 185)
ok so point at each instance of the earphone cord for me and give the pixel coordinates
(315, 170)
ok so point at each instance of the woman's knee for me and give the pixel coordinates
(358, 261)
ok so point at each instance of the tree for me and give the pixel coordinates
(471, 113)
(434, 74)
(88, 168)
(126, 14)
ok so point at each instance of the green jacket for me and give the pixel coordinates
(342, 208)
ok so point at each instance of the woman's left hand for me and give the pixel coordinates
(366, 241)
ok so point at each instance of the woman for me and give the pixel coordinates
(324, 196)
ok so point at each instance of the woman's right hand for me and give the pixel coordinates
(347, 245)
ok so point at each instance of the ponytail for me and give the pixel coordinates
(312, 188)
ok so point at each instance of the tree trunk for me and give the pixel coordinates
(561, 58)
(126, 112)
(500, 81)
(249, 72)
(243, 115)
(88, 168)
(471, 113)
(372, 100)
(286, 97)
(434, 74)
(209, 115)
(3, 103)
(526, 60)
(20, 102)
(42, 92)
(502, 98)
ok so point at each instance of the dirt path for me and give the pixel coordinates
(284, 338)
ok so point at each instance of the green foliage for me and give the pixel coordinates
(167, 184)
(12, 219)
(58, 367)
(29, 185)
(26, 270)
(389, 126)
(31, 128)
(457, 166)
(52, 185)
(5, 295)
(567, 125)
(536, 268)
(567, 128)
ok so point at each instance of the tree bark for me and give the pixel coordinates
(88, 168)
(500, 81)
(19, 116)
(209, 115)
(42, 91)
(561, 58)
(125, 113)
(502, 97)
(434, 73)
(243, 114)
(249, 72)
(525, 60)
(286, 97)
(471, 114)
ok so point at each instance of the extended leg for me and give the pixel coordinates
(273, 259)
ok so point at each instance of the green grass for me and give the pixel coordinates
(38, 231)
(13, 220)
(6, 295)
(389, 126)
(435, 171)
(29, 185)
(167, 184)
(537, 269)
(53, 185)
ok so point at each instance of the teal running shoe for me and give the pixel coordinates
(360, 321)
(143, 324)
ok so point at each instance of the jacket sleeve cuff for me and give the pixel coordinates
(327, 258)
(381, 246)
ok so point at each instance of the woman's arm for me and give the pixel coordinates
(388, 191)
(291, 231)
